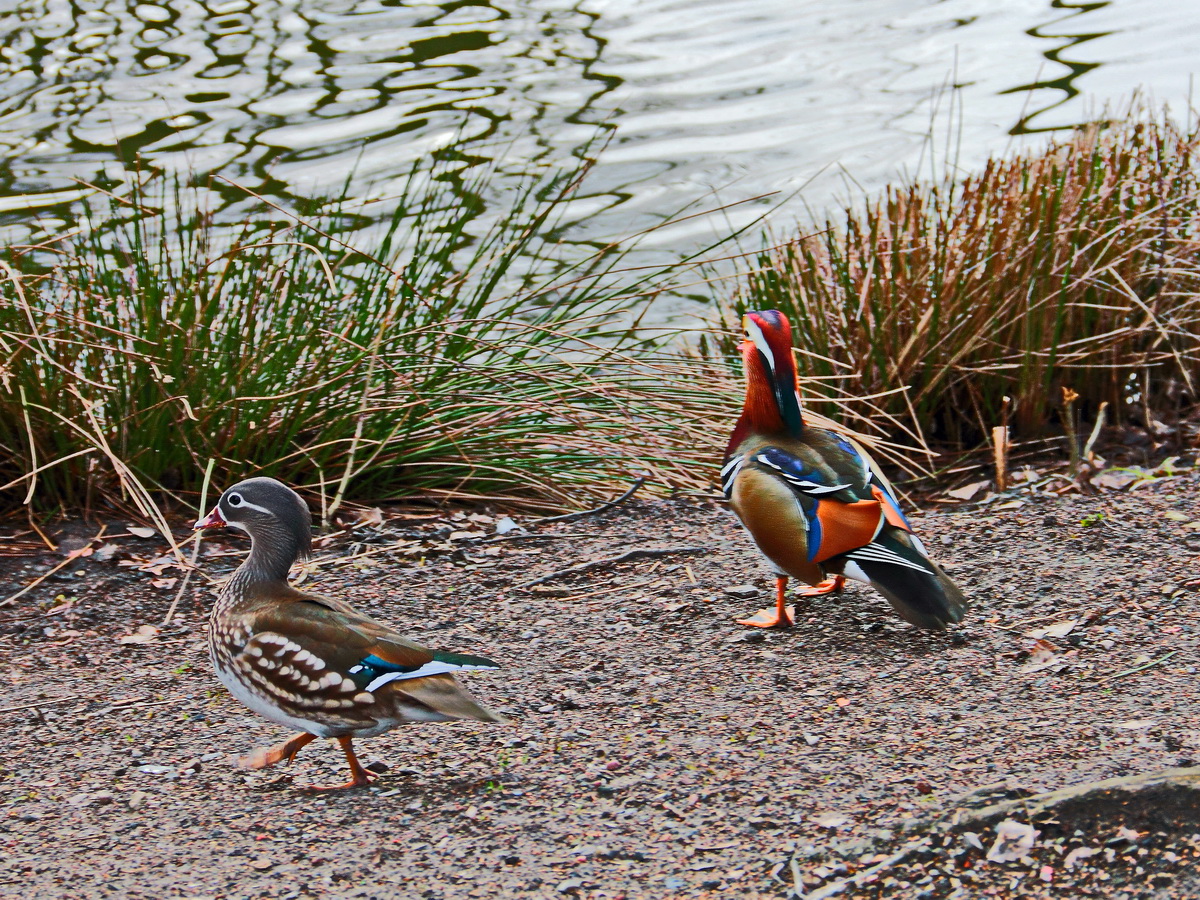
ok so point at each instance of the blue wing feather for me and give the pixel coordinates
(373, 672)
(796, 473)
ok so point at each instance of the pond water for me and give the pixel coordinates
(703, 101)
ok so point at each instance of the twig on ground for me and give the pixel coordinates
(45, 540)
(537, 537)
(628, 556)
(72, 557)
(1153, 662)
(142, 703)
(620, 587)
(570, 517)
(9, 709)
(839, 887)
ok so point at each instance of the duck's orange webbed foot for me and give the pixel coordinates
(358, 775)
(779, 617)
(832, 585)
(262, 757)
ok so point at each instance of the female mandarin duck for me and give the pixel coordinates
(311, 662)
(813, 501)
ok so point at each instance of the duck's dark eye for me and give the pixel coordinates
(235, 500)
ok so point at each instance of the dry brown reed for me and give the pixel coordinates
(1075, 267)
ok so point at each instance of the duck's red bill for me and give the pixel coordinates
(212, 520)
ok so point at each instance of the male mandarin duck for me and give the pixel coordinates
(814, 502)
(311, 662)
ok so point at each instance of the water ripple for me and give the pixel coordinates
(289, 97)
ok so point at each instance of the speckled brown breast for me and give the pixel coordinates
(280, 680)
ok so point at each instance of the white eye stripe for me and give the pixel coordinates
(760, 341)
(246, 504)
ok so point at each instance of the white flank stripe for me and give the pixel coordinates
(728, 476)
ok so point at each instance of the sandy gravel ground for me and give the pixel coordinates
(657, 750)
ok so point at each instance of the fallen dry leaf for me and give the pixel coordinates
(141, 531)
(1057, 630)
(1079, 853)
(164, 582)
(1128, 834)
(1136, 724)
(967, 491)
(1013, 840)
(145, 634)
(105, 552)
(160, 564)
(362, 518)
(506, 524)
(831, 820)
(1114, 480)
(1043, 655)
(970, 837)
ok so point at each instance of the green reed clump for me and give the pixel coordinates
(1077, 267)
(440, 362)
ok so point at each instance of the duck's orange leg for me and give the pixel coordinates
(832, 585)
(779, 617)
(358, 775)
(268, 756)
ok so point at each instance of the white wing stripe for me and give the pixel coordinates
(879, 553)
(436, 667)
(809, 487)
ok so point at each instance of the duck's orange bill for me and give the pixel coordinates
(212, 520)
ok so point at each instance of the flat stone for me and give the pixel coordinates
(743, 591)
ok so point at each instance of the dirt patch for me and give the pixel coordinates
(657, 750)
(1127, 836)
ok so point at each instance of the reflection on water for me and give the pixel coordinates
(291, 97)
(285, 97)
(1059, 56)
